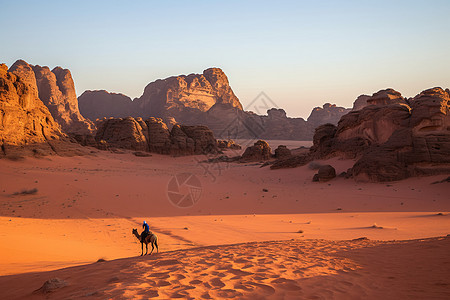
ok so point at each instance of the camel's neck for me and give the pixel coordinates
(137, 235)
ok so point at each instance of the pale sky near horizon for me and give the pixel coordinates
(300, 53)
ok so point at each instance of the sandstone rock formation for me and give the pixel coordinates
(182, 96)
(328, 113)
(392, 138)
(154, 136)
(57, 91)
(24, 119)
(206, 99)
(260, 151)
(282, 152)
(228, 144)
(99, 104)
(26, 125)
(360, 102)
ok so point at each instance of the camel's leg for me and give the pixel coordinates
(153, 247)
(142, 249)
(146, 249)
(156, 244)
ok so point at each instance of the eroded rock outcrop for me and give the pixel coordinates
(392, 138)
(154, 136)
(183, 96)
(260, 151)
(26, 125)
(56, 90)
(282, 152)
(228, 144)
(328, 113)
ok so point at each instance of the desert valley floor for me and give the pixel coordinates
(254, 233)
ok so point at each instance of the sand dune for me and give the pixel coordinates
(254, 232)
(309, 269)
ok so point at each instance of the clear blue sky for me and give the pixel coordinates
(301, 53)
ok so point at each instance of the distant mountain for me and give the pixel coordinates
(206, 99)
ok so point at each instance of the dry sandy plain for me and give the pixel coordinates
(252, 233)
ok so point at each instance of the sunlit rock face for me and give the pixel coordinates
(24, 119)
(56, 90)
(182, 96)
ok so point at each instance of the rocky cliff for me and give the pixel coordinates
(26, 125)
(206, 99)
(56, 90)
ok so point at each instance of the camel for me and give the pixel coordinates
(151, 238)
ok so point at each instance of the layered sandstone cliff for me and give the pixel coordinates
(26, 125)
(56, 90)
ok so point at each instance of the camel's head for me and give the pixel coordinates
(135, 231)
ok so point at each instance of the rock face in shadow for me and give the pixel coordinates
(99, 104)
(360, 102)
(26, 126)
(260, 151)
(392, 138)
(207, 99)
(282, 152)
(153, 135)
(56, 90)
(325, 173)
(228, 144)
(328, 113)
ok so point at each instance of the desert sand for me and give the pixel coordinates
(253, 232)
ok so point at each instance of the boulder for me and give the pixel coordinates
(325, 173)
(260, 151)
(282, 152)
